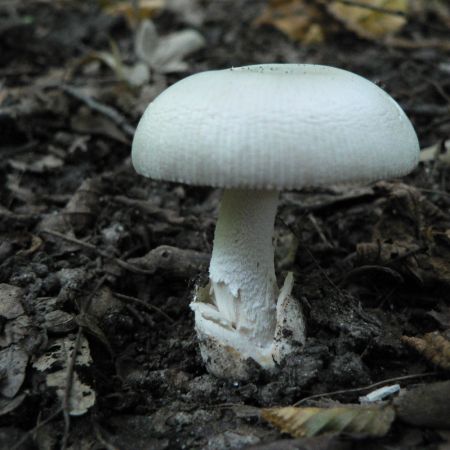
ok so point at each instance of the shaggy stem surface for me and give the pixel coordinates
(242, 273)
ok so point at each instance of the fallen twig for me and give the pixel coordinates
(366, 388)
(170, 216)
(106, 110)
(146, 305)
(71, 368)
(125, 265)
(179, 262)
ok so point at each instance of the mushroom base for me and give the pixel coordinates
(229, 353)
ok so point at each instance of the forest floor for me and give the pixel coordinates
(97, 344)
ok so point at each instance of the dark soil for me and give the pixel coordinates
(371, 263)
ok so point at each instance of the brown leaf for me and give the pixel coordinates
(145, 10)
(35, 245)
(298, 19)
(82, 208)
(368, 20)
(371, 420)
(433, 346)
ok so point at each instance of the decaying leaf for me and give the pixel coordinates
(371, 420)
(433, 346)
(13, 364)
(78, 214)
(59, 352)
(144, 9)
(8, 405)
(85, 121)
(56, 362)
(10, 301)
(368, 19)
(298, 19)
(58, 321)
(190, 11)
(90, 325)
(16, 330)
(437, 152)
(42, 164)
(166, 54)
(161, 54)
(35, 245)
(82, 396)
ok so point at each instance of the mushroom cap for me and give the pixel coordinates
(274, 126)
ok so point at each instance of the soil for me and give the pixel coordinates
(371, 263)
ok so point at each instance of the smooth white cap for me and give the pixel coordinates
(274, 126)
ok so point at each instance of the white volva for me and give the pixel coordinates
(255, 131)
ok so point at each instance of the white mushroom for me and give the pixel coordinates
(255, 131)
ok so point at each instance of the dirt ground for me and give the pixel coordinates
(97, 343)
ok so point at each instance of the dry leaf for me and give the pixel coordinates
(13, 364)
(299, 422)
(298, 19)
(165, 54)
(42, 164)
(82, 396)
(59, 351)
(433, 346)
(145, 10)
(11, 301)
(8, 405)
(437, 152)
(59, 356)
(88, 122)
(368, 21)
(16, 330)
(81, 210)
(35, 245)
(190, 11)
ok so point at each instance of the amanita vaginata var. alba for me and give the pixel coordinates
(255, 131)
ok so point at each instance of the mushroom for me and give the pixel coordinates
(255, 131)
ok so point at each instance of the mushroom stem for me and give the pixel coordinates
(242, 272)
(242, 314)
(238, 311)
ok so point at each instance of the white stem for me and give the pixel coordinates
(242, 272)
(241, 316)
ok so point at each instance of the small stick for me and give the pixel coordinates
(106, 110)
(29, 433)
(146, 305)
(365, 388)
(71, 368)
(125, 265)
